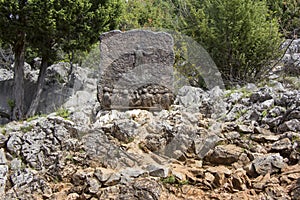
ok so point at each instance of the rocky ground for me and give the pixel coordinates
(242, 143)
(220, 144)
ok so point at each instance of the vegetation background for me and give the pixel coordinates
(242, 36)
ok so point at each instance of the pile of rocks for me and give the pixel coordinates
(167, 154)
(275, 107)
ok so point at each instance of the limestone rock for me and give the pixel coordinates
(270, 163)
(3, 172)
(158, 171)
(291, 125)
(283, 144)
(225, 154)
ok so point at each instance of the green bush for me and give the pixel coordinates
(146, 14)
(288, 14)
(240, 35)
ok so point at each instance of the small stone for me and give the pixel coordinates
(261, 181)
(270, 163)
(15, 164)
(178, 175)
(113, 179)
(147, 189)
(244, 129)
(158, 171)
(267, 104)
(73, 196)
(292, 125)
(225, 154)
(265, 138)
(209, 177)
(219, 169)
(93, 185)
(232, 135)
(283, 144)
(103, 174)
(259, 130)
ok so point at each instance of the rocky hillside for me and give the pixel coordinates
(242, 143)
(218, 144)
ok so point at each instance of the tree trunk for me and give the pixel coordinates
(18, 90)
(39, 89)
(71, 58)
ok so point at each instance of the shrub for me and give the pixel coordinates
(240, 35)
(288, 14)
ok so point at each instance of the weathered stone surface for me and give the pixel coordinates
(291, 125)
(270, 163)
(136, 69)
(99, 148)
(113, 179)
(244, 129)
(138, 154)
(225, 154)
(3, 172)
(283, 144)
(205, 144)
(209, 103)
(158, 171)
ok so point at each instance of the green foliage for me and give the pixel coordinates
(3, 131)
(265, 113)
(239, 34)
(35, 117)
(146, 14)
(240, 113)
(288, 14)
(26, 129)
(169, 179)
(173, 181)
(63, 112)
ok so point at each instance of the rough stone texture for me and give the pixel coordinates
(57, 91)
(225, 154)
(271, 163)
(236, 151)
(209, 103)
(136, 69)
(3, 172)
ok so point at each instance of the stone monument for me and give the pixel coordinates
(136, 70)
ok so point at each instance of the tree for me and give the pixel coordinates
(49, 26)
(147, 14)
(239, 34)
(70, 25)
(13, 31)
(94, 17)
